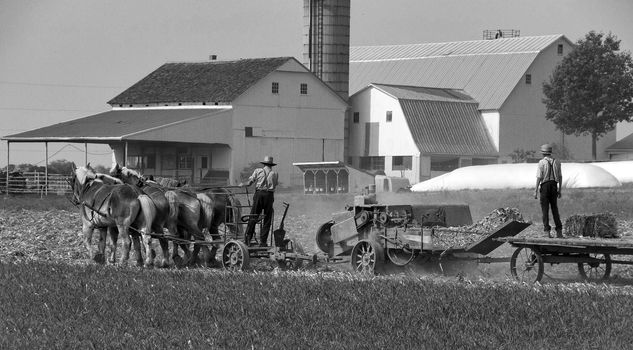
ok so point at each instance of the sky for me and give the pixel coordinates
(64, 59)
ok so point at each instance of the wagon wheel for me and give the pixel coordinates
(526, 265)
(235, 256)
(599, 269)
(367, 256)
(292, 246)
(324, 238)
(401, 257)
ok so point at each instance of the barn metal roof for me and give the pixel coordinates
(213, 81)
(488, 70)
(624, 145)
(115, 125)
(442, 121)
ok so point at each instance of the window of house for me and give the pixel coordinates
(372, 163)
(401, 162)
(389, 116)
(303, 88)
(141, 162)
(185, 161)
(275, 87)
(444, 163)
(528, 78)
(560, 49)
(356, 117)
(248, 131)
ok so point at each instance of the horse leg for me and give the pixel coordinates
(136, 240)
(100, 255)
(125, 246)
(114, 236)
(87, 232)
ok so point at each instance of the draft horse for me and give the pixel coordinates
(190, 212)
(116, 209)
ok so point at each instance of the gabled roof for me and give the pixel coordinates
(487, 69)
(213, 81)
(115, 125)
(442, 121)
(624, 145)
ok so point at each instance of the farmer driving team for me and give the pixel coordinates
(265, 180)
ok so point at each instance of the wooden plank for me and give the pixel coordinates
(571, 242)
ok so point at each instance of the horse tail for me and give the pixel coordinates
(148, 210)
(206, 208)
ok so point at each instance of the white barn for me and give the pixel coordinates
(504, 76)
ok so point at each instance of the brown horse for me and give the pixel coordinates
(192, 212)
(112, 207)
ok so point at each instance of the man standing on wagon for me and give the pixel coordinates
(549, 180)
(265, 180)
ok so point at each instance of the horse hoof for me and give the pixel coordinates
(99, 258)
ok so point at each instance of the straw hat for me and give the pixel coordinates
(268, 160)
(546, 149)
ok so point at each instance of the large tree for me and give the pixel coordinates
(591, 90)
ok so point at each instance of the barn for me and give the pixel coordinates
(206, 122)
(504, 76)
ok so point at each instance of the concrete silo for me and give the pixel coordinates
(326, 42)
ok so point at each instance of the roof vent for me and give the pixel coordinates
(491, 34)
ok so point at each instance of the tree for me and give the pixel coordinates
(591, 90)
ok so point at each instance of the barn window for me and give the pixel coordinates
(372, 163)
(528, 79)
(248, 131)
(356, 117)
(444, 164)
(401, 162)
(560, 49)
(275, 87)
(389, 116)
(303, 89)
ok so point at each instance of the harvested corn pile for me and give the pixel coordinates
(602, 225)
(462, 236)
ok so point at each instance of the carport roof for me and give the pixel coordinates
(114, 125)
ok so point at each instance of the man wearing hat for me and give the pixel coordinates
(265, 180)
(549, 180)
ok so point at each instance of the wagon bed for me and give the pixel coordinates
(592, 255)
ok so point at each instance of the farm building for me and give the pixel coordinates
(206, 122)
(402, 129)
(504, 76)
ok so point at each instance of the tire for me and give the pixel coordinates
(235, 256)
(595, 271)
(367, 257)
(526, 265)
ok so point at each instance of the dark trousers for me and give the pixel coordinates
(262, 201)
(549, 198)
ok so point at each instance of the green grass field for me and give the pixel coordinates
(53, 304)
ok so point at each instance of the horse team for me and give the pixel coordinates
(124, 204)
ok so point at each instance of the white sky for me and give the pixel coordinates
(64, 59)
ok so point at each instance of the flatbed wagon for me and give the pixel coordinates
(593, 256)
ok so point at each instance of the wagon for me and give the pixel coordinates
(593, 256)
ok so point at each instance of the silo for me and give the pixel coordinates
(326, 42)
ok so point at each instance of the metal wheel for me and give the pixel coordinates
(367, 256)
(526, 265)
(235, 256)
(324, 238)
(596, 270)
(292, 246)
(401, 257)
